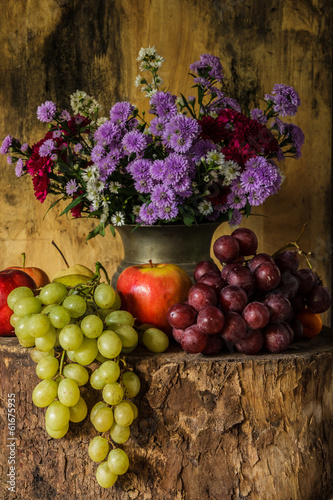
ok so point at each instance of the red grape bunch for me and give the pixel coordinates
(251, 304)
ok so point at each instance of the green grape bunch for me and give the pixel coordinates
(78, 336)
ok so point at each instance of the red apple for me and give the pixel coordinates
(147, 291)
(38, 275)
(10, 279)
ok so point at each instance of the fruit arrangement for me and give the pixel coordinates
(79, 335)
(264, 302)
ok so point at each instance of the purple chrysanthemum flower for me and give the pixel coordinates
(9, 160)
(285, 98)
(47, 148)
(236, 200)
(19, 167)
(7, 142)
(108, 133)
(64, 116)
(261, 178)
(176, 167)
(181, 132)
(71, 187)
(163, 104)
(182, 187)
(259, 115)
(78, 147)
(162, 196)
(140, 171)
(168, 212)
(208, 63)
(157, 170)
(201, 148)
(149, 214)
(134, 141)
(120, 112)
(98, 153)
(46, 111)
(157, 125)
(232, 103)
(56, 134)
(297, 137)
(236, 218)
(24, 147)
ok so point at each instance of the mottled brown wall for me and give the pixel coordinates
(50, 48)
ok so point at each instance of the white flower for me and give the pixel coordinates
(205, 207)
(91, 173)
(215, 157)
(118, 219)
(114, 187)
(231, 171)
(136, 209)
(138, 81)
(180, 101)
(150, 51)
(101, 120)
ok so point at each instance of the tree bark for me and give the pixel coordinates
(209, 428)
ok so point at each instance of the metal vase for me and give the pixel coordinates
(182, 245)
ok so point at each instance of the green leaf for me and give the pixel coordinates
(112, 229)
(52, 205)
(100, 229)
(73, 204)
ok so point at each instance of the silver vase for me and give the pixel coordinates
(182, 245)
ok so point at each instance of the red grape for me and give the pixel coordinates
(247, 241)
(232, 298)
(201, 295)
(319, 299)
(279, 307)
(193, 340)
(256, 315)
(307, 280)
(215, 344)
(210, 320)
(234, 327)
(288, 260)
(241, 276)
(177, 333)
(267, 276)
(297, 327)
(226, 248)
(297, 303)
(252, 344)
(257, 260)
(181, 315)
(276, 337)
(203, 267)
(289, 284)
(213, 280)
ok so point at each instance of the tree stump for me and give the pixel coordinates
(209, 428)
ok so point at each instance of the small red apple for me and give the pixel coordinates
(148, 290)
(10, 279)
(38, 275)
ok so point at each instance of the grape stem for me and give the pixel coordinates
(97, 274)
(295, 245)
(62, 362)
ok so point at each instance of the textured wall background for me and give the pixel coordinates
(50, 48)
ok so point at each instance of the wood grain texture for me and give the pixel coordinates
(222, 428)
(49, 49)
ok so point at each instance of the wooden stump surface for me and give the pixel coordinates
(209, 428)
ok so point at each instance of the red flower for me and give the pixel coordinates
(74, 127)
(212, 129)
(76, 211)
(41, 183)
(218, 194)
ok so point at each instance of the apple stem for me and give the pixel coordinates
(62, 255)
(151, 263)
(23, 257)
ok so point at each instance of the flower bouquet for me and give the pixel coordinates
(197, 159)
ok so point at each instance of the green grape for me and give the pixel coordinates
(44, 393)
(113, 393)
(101, 358)
(76, 372)
(104, 476)
(155, 340)
(71, 356)
(22, 332)
(18, 293)
(109, 371)
(103, 419)
(59, 317)
(117, 303)
(38, 325)
(48, 341)
(57, 416)
(103, 313)
(53, 293)
(95, 408)
(92, 326)
(27, 305)
(104, 296)
(68, 392)
(132, 384)
(36, 355)
(75, 305)
(109, 344)
(70, 337)
(118, 461)
(123, 414)
(48, 309)
(87, 352)
(57, 434)
(98, 449)
(79, 411)
(13, 320)
(119, 434)
(119, 317)
(95, 381)
(47, 367)
(134, 408)
(127, 335)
